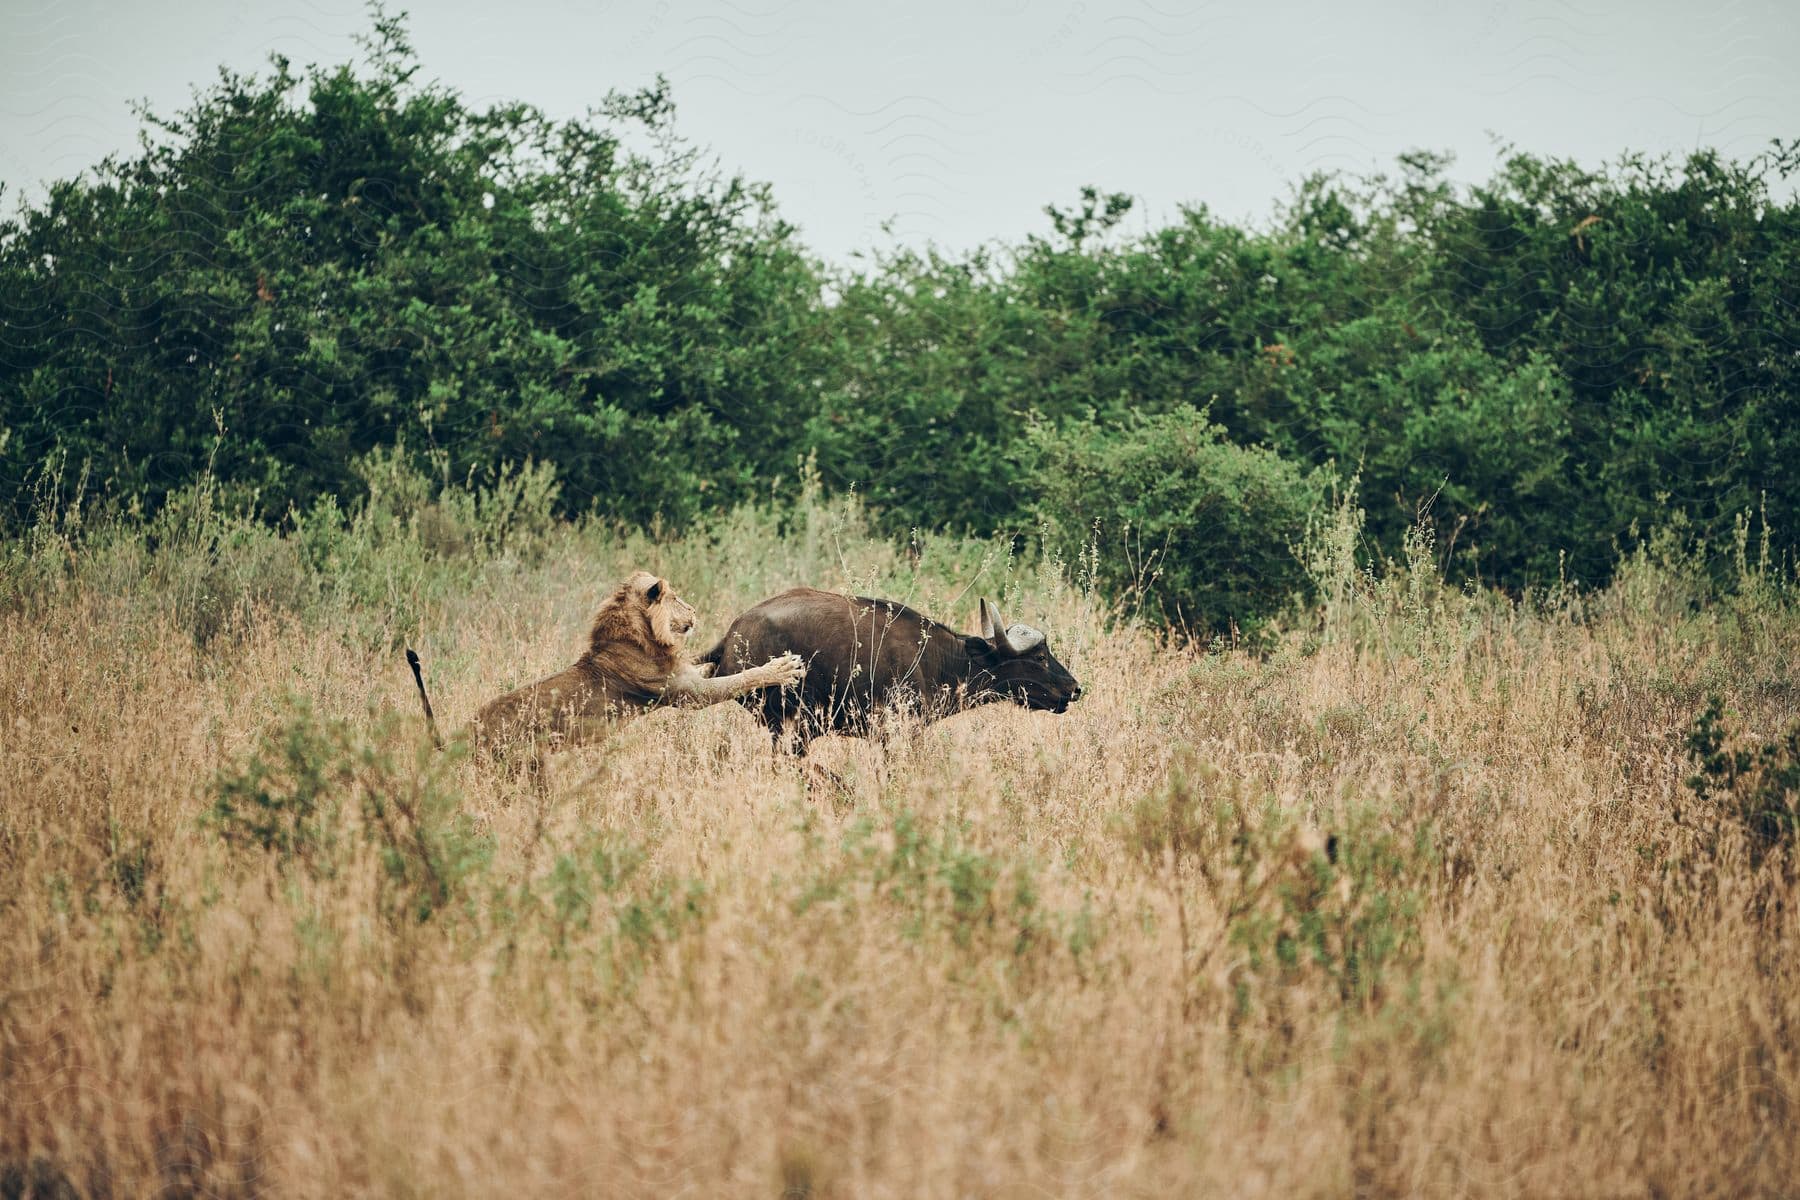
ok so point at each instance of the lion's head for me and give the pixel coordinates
(671, 618)
(644, 612)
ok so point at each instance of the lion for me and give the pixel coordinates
(635, 661)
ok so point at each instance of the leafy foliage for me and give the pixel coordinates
(313, 267)
(307, 266)
(1204, 525)
(318, 796)
(603, 892)
(1549, 364)
(1755, 788)
(935, 878)
(1340, 910)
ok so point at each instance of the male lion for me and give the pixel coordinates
(635, 661)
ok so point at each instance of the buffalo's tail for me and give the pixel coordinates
(715, 656)
(412, 660)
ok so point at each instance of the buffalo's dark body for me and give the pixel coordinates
(863, 655)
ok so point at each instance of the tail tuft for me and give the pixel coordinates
(412, 660)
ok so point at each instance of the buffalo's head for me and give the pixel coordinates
(1020, 664)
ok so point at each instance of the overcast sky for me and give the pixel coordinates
(958, 122)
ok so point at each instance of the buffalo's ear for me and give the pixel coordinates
(979, 646)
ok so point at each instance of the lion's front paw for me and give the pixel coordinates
(785, 669)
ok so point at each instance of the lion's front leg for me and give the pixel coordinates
(691, 685)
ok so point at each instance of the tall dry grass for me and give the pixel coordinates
(254, 938)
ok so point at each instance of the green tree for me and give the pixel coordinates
(308, 265)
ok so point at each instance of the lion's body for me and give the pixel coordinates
(634, 650)
(566, 709)
(635, 660)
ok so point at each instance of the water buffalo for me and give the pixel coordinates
(863, 654)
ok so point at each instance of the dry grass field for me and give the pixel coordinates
(1415, 900)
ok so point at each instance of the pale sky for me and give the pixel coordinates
(956, 122)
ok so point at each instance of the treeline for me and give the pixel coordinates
(308, 266)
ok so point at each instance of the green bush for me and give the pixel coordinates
(1352, 915)
(605, 901)
(320, 796)
(1204, 529)
(1297, 908)
(1753, 788)
(934, 878)
(216, 563)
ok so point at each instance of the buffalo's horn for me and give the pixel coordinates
(992, 626)
(999, 634)
(1022, 637)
